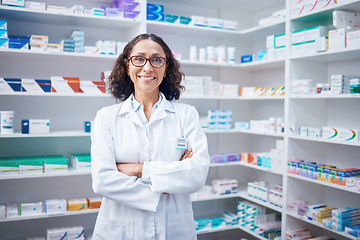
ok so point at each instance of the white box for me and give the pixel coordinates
(11, 209)
(349, 135)
(55, 206)
(231, 25)
(75, 233)
(344, 19)
(56, 234)
(314, 132)
(35, 5)
(230, 90)
(18, 3)
(2, 211)
(270, 41)
(298, 36)
(297, 50)
(315, 33)
(337, 39)
(28, 209)
(353, 39)
(199, 21)
(35, 126)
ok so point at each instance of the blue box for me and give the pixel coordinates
(4, 43)
(3, 24)
(159, 17)
(45, 84)
(14, 83)
(87, 126)
(3, 33)
(261, 55)
(154, 8)
(246, 58)
(18, 43)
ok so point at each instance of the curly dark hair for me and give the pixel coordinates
(120, 84)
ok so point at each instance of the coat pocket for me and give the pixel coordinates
(111, 229)
(180, 226)
(170, 151)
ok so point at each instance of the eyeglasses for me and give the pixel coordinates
(140, 61)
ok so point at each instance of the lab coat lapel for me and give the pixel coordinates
(128, 111)
(164, 107)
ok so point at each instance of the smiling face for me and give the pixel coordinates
(146, 79)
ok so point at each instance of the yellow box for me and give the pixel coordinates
(77, 204)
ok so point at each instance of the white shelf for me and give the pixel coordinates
(331, 185)
(332, 55)
(56, 94)
(31, 15)
(243, 194)
(214, 197)
(9, 52)
(209, 64)
(188, 96)
(327, 13)
(264, 65)
(44, 215)
(260, 32)
(219, 229)
(244, 131)
(70, 172)
(52, 134)
(313, 139)
(321, 226)
(164, 28)
(251, 233)
(246, 165)
(326, 96)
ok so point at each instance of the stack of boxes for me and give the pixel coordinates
(39, 43)
(219, 119)
(309, 41)
(201, 86)
(247, 213)
(124, 8)
(275, 46)
(78, 40)
(4, 41)
(155, 12)
(340, 84)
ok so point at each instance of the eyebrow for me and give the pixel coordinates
(153, 55)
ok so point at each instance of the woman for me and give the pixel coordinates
(140, 164)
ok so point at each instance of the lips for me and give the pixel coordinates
(146, 78)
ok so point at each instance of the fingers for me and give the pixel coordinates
(188, 154)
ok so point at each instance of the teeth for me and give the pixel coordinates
(147, 78)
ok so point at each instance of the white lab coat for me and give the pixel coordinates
(137, 208)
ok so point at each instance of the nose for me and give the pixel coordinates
(147, 66)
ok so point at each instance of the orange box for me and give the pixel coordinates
(244, 157)
(65, 84)
(252, 158)
(94, 202)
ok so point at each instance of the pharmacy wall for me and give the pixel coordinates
(276, 84)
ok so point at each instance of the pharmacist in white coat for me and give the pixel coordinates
(140, 164)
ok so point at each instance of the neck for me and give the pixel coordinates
(147, 100)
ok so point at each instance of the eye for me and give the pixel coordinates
(157, 60)
(139, 59)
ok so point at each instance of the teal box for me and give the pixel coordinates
(3, 33)
(4, 43)
(172, 18)
(3, 24)
(185, 20)
(9, 166)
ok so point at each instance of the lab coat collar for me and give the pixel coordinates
(127, 110)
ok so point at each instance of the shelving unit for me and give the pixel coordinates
(68, 111)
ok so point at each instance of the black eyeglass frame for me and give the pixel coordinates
(146, 60)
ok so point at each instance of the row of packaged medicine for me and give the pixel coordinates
(43, 164)
(50, 206)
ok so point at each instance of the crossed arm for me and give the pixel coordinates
(135, 169)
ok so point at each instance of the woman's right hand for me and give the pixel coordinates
(187, 154)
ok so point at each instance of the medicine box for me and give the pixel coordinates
(35, 126)
(3, 33)
(315, 33)
(9, 166)
(155, 16)
(55, 206)
(77, 204)
(3, 24)
(172, 18)
(28, 209)
(185, 20)
(4, 43)
(15, 3)
(280, 40)
(247, 58)
(353, 39)
(81, 161)
(10, 84)
(94, 202)
(19, 42)
(31, 165)
(39, 39)
(35, 85)
(93, 86)
(231, 25)
(65, 84)
(35, 5)
(337, 39)
(74, 233)
(55, 164)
